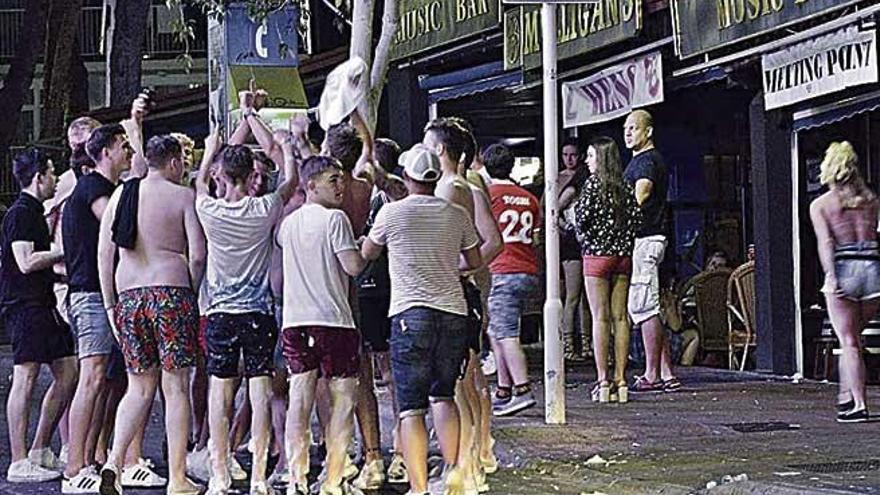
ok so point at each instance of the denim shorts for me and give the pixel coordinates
(90, 325)
(508, 297)
(428, 353)
(857, 268)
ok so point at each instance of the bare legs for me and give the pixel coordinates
(658, 357)
(511, 362)
(415, 442)
(220, 394)
(24, 377)
(367, 411)
(848, 319)
(574, 293)
(259, 389)
(91, 382)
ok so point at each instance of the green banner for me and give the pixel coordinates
(704, 25)
(426, 24)
(580, 28)
(287, 96)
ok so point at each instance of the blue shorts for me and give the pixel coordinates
(90, 325)
(428, 354)
(508, 298)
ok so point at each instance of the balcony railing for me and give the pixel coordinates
(159, 40)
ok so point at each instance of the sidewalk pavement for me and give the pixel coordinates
(746, 433)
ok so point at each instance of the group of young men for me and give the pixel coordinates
(228, 274)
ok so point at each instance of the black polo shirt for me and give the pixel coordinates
(79, 230)
(25, 222)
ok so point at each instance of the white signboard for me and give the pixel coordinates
(820, 66)
(613, 92)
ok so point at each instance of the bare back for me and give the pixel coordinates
(356, 202)
(848, 225)
(456, 190)
(160, 256)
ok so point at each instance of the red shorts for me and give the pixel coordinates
(203, 334)
(334, 352)
(607, 266)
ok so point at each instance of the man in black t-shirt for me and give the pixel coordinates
(108, 146)
(39, 335)
(648, 174)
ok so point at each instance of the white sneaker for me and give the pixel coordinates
(488, 364)
(451, 482)
(27, 471)
(262, 488)
(218, 487)
(46, 458)
(371, 477)
(349, 470)
(279, 478)
(86, 481)
(297, 489)
(344, 489)
(397, 470)
(110, 484)
(236, 472)
(198, 464)
(141, 475)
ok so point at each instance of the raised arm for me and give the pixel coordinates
(299, 129)
(291, 175)
(212, 145)
(195, 240)
(134, 128)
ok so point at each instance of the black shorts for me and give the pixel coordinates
(475, 315)
(38, 334)
(231, 335)
(375, 326)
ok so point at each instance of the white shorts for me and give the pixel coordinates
(644, 289)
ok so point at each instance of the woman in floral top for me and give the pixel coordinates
(607, 217)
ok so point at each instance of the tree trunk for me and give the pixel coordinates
(126, 50)
(61, 47)
(18, 80)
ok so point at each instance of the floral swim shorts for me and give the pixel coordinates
(158, 325)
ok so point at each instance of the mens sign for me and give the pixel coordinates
(820, 66)
(613, 92)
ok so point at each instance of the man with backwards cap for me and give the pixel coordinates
(425, 237)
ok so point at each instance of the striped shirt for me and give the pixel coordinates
(425, 236)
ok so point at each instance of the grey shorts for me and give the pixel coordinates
(644, 289)
(857, 268)
(88, 320)
(507, 301)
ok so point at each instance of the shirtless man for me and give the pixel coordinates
(454, 144)
(153, 226)
(239, 230)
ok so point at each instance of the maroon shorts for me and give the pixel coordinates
(334, 352)
(607, 266)
(203, 334)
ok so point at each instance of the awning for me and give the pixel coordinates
(470, 81)
(691, 80)
(836, 112)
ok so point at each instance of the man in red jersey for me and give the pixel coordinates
(514, 279)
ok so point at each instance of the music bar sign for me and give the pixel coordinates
(427, 24)
(820, 66)
(704, 25)
(613, 92)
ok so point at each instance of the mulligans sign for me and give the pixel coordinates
(581, 27)
(820, 66)
(704, 25)
(426, 24)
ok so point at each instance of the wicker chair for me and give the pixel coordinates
(710, 299)
(741, 314)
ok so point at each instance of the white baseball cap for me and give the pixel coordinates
(421, 163)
